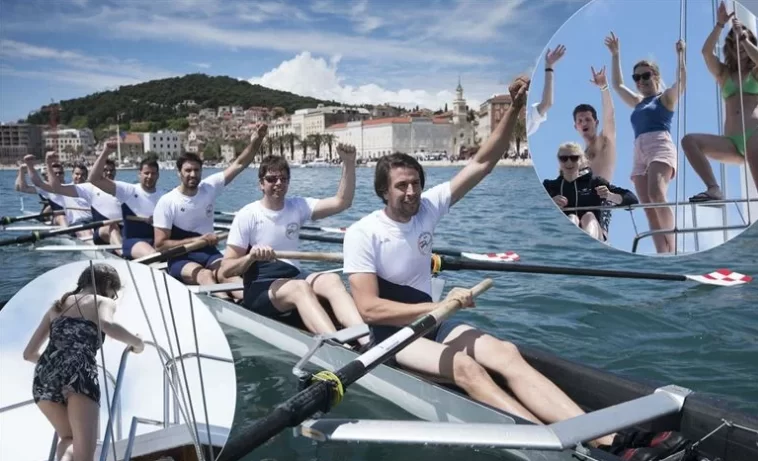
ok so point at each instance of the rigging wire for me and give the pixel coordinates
(738, 45)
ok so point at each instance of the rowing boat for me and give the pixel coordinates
(720, 432)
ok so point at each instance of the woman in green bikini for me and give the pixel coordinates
(735, 145)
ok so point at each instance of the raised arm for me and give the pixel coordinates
(629, 97)
(32, 350)
(712, 62)
(53, 185)
(551, 59)
(492, 150)
(750, 49)
(244, 159)
(346, 191)
(671, 95)
(21, 185)
(96, 176)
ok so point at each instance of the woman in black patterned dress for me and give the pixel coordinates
(66, 386)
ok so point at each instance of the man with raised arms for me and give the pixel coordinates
(537, 113)
(274, 288)
(51, 202)
(185, 214)
(137, 203)
(103, 206)
(388, 256)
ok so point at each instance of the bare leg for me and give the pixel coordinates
(287, 294)
(195, 274)
(435, 359)
(83, 415)
(700, 147)
(658, 177)
(641, 187)
(533, 389)
(330, 286)
(57, 414)
(142, 249)
(590, 225)
(574, 219)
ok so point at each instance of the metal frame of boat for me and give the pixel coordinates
(719, 432)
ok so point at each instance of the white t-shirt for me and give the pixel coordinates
(55, 198)
(400, 253)
(534, 119)
(136, 201)
(280, 229)
(81, 213)
(101, 202)
(193, 216)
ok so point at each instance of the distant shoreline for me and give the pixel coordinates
(425, 163)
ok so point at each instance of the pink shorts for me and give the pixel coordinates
(656, 146)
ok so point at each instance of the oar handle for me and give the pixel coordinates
(310, 256)
(178, 250)
(447, 307)
(5, 220)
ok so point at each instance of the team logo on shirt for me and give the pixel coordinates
(209, 210)
(425, 243)
(292, 230)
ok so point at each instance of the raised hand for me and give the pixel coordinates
(680, 46)
(519, 89)
(261, 129)
(722, 16)
(599, 78)
(29, 160)
(346, 152)
(612, 42)
(554, 56)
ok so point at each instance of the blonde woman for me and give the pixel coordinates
(66, 387)
(731, 147)
(654, 149)
(577, 186)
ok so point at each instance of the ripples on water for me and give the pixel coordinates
(705, 338)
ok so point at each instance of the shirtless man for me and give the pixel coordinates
(600, 148)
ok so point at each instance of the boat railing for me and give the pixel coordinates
(169, 367)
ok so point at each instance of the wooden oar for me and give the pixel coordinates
(39, 235)
(327, 388)
(5, 220)
(178, 250)
(720, 277)
(309, 256)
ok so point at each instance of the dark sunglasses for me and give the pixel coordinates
(566, 158)
(271, 179)
(643, 76)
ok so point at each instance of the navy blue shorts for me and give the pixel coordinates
(257, 300)
(381, 332)
(128, 244)
(205, 257)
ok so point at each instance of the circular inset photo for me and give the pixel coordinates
(635, 123)
(112, 357)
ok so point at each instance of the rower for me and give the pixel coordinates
(76, 209)
(185, 214)
(274, 288)
(103, 206)
(137, 203)
(388, 255)
(50, 202)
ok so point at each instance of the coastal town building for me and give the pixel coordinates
(70, 143)
(18, 140)
(167, 145)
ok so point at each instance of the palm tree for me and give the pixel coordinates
(316, 140)
(304, 145)
(279, 138)
(292, 139)
(519, 134)
(329, 140)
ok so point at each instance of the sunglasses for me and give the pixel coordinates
(642, 76)
(271, 179)
(566, 158)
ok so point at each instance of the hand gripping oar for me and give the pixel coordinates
(178, 250)
(721, 277)
(5, 220)
(327, 388)
(39, 235)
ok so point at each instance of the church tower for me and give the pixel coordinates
(459, 105)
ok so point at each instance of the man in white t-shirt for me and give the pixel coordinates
(103, 206)
(137, 203)
(388, 256)
(51, 202)
(538, 111)
(274, 288)
(185, 214)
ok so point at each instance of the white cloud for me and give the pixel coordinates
(202, 65)
(144, 371)
(312, 76)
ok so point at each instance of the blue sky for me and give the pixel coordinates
(355, 52)
(642, 35)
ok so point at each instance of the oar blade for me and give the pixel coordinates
(722, 278)
(505, 257)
